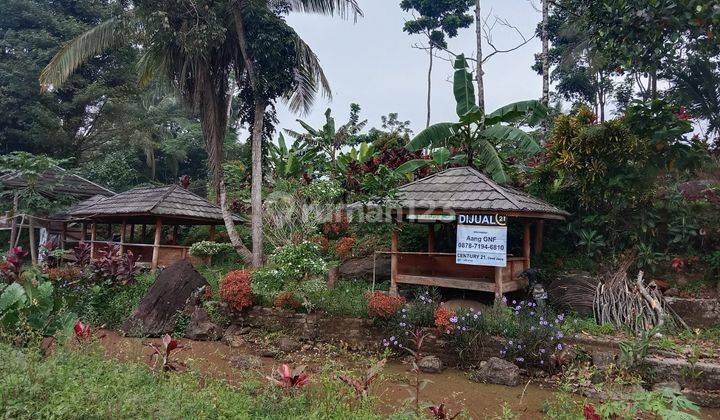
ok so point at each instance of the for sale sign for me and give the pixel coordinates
(481, 240)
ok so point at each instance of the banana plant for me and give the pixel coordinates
(294, 161)
(363, 153)
(478, 137)
(438, 159)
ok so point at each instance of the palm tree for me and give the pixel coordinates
(199, 50)
(478, 137)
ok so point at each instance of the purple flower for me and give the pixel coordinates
(504, 299)
(559, 346)
(542, 362)
(402, 324)
(542, 350)
(510, 342)
(520, 359)
(454, 319)
(514, 302)
(385, 343)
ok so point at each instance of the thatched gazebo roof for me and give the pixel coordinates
(173, 204)
(57, 181)
(467, 190)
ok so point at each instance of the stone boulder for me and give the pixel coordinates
(201, 327)
(362, 268)
(233, 335)
(246, 361)
(156, 314)
(431, 364)
(288, 345)
(697, 313)
(497, 371)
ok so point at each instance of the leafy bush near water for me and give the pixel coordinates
(72, 384)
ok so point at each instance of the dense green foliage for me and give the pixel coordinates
(83, 384)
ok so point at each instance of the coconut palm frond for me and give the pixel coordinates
(310, 79)
(149, 65)
(79, 50)
(342, 8)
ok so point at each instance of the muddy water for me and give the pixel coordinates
(451, 387)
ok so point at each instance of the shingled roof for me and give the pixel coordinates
(56, 181)
(467, 189)
(67, 213)
(172, 203)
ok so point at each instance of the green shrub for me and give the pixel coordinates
(205, 249)
(77, 385)
(30, 308)
(109, 305)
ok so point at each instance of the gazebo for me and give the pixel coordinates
(481, 211)
(155, 206)
(54, 183)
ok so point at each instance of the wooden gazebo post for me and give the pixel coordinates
(156, 244)
(93, 238)
(539, 236)
(526, 244)
(431, 237)
(393, 263)
(123, 228)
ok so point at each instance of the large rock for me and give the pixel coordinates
(201, 327)
(363, 267)
(156, 314)
(246, 361)
(697, 313)
(431, 364)
(497, 371)
(288, 344)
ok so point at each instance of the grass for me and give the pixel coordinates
(347, 298)
(82, 384)
(574, 324)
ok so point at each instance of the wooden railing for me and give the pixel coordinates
(440, 269)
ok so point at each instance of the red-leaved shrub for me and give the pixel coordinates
(442, 319)
(235, 289)
(287, 300)
(383, 305)
(344, 247)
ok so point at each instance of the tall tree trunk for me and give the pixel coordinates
(256, 192)
(230, 224)
(257, 129)
(214, 123)
(479, 58)
(429, 86)
(545, 58)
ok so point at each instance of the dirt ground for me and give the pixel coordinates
(450, 387)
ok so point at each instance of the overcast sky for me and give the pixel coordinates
(372, 63)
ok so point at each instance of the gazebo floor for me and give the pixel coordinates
(480, 284)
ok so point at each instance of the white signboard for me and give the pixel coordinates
(481, 245)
